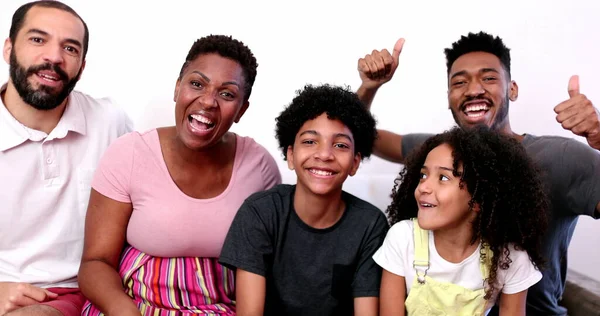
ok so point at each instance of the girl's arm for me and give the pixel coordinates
(392, 294)
(366, 306)
(99, 280)
(513, 304)
(250, 289)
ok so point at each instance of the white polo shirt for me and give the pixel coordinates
(45, 186)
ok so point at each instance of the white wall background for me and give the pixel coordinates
(137, 48)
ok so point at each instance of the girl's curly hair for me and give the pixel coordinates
(500, 178)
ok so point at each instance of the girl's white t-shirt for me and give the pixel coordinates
(396, 255)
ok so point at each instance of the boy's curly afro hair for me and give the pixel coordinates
(500, 178)
(339, 103)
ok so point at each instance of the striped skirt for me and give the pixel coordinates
(174, 286)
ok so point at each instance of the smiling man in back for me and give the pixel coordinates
(480, 89)
(52, 138)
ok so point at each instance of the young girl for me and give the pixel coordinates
(468, 212)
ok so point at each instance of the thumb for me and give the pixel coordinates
(573, 86)
(398, 49)
(50, 294)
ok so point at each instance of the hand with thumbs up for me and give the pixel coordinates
(579, 115)
(377, 68)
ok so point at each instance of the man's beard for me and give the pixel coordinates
(499, 120)
(44, 97)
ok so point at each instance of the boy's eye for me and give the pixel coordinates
(422, 175)
(196, 84)
(458, 83)
(489, 79)
(444, 178)
(341, 145)
(308, 141)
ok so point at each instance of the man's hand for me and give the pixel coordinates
(16, 295)
(377, 68)
(579, 115)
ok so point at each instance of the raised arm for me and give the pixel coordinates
(376, 69)
(578, 115)
(99, 280)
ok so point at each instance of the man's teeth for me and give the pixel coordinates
(477, 108)
(48, 77)
(201, 119)
(321, 172)
(426, 205)
(475, 114)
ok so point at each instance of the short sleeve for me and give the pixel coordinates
(521, 274)
(368, 274)
(392, 254)
(113, 175)
(412, 141)
(270, 171)
(581, 166)
(248, 244)
(125, 124)
(120, 121)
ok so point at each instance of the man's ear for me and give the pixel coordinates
(83, 63)
(290, 157)
(355, 164)
(8, 46)
(513, 92)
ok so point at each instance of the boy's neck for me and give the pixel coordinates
(318, 211)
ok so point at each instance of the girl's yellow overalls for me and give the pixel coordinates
(429, 297)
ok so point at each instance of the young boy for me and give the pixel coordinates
(306, 249)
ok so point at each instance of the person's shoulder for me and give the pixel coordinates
(269, 205)
(280, 192)
(103, 109)
(253, 148)
(403, 228)
(365, 211)
(551, 141)
(359, 204)
(552, 146)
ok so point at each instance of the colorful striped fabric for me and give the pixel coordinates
(175, 286)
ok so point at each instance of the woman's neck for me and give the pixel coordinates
(213, 156)
(318, 211)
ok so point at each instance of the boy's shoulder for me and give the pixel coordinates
(355, 202)
(277, 192)
(364, 211)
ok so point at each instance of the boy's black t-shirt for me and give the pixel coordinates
(308, 271)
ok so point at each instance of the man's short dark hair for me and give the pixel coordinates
(478, 42)
(18, 20)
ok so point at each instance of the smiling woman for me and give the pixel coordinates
(167, 196)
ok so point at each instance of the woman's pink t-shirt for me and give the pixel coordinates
(166, 222)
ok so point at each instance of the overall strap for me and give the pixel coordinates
(486, 263)
(421, 261)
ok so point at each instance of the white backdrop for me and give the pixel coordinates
(137, 48)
